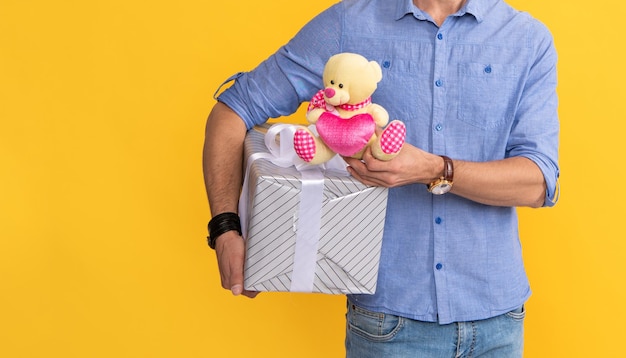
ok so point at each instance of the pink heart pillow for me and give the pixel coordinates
(345, 136)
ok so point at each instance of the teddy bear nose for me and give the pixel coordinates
(329, 92)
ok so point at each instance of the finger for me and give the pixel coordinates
(368, 159)
(352, 161)
(362, 178)
(230, 256)
(355, 166)
(250, 294)
(236, 277)
(236, 289)
(354, 173)
(372, 163)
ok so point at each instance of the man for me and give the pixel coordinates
(475, 83)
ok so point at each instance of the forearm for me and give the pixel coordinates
(222, 159)
(516, 181)
(222, 164)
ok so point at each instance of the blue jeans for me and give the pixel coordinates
(378, 335)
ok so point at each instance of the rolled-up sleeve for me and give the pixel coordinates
(290, 76)
(535, 133)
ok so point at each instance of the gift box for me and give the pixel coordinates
(307, 228)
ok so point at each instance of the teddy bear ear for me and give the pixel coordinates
(376, 70)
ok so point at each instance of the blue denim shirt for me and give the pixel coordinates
(481, 87)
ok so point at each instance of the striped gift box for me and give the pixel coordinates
(350, 233)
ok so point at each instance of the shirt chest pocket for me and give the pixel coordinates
(487, 94)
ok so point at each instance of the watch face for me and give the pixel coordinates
(441, 188)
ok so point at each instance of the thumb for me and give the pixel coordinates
(230, 257)
(236, 277)
(237, 289)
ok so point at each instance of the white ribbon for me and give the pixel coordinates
(309, 215)
(308, 230)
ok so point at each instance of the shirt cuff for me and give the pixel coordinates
(552, 195)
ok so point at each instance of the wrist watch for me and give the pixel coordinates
(443, 184)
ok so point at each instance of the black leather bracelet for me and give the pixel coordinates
(220, 224)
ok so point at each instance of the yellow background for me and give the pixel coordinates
(103, 211)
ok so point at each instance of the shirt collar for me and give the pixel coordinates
(477, 8)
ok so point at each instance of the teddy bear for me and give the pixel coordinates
(346, 120)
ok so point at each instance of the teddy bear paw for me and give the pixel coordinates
(392, 138)
(304, 145)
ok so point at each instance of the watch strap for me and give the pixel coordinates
(443, 184)
(448, 169)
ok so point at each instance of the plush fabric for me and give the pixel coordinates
(345, 136)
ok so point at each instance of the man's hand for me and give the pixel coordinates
(411, 165)
(230, 252)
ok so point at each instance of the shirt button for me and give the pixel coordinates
(386, 64)
(488, 69)
(438, 127)
(439, 267)
(438, 221)
(439, 83)
(440, 36)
